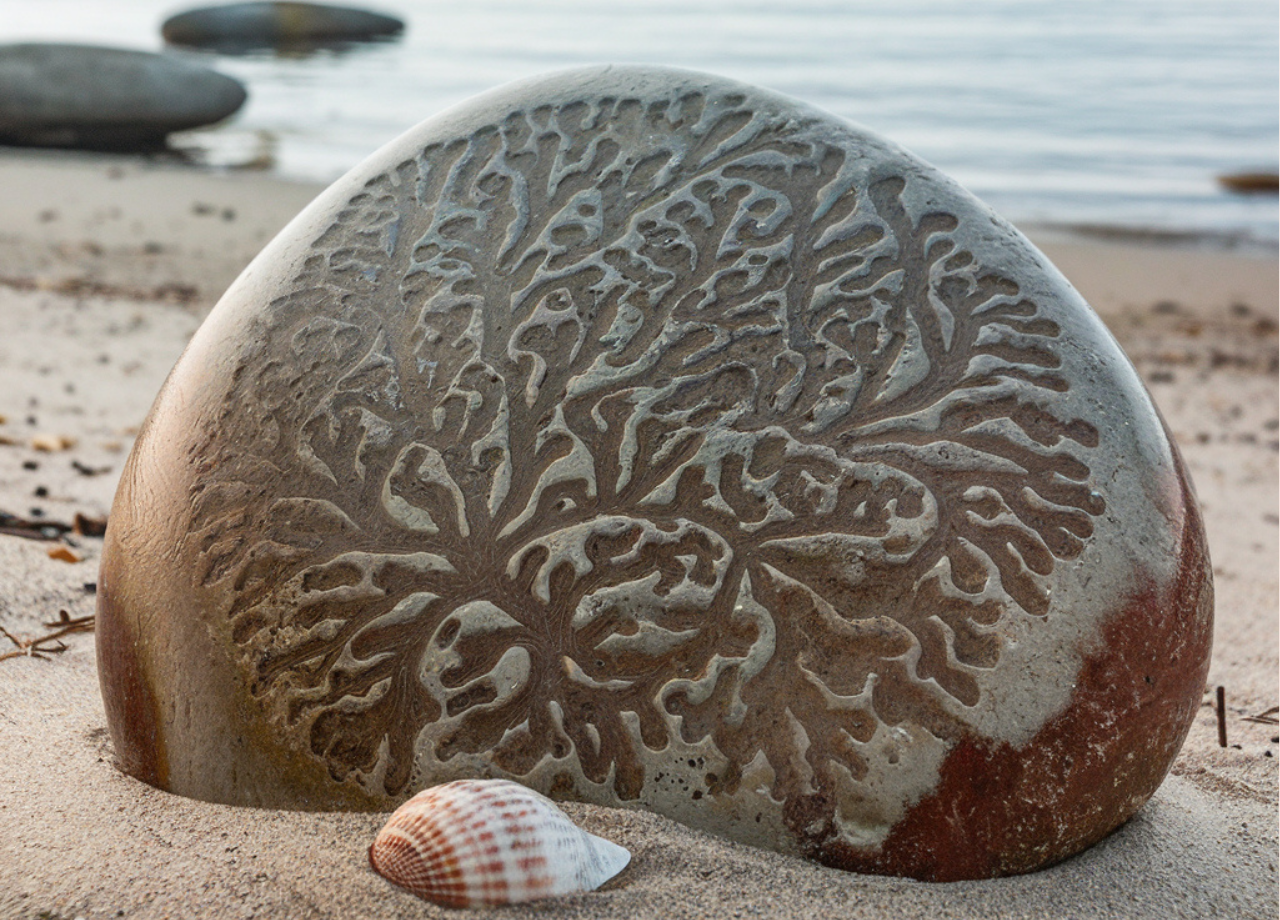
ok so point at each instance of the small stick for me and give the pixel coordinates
(40, 647)
(1266, 718)
(1222, 716)
(13, 526)
(30, 648)
(65, 623)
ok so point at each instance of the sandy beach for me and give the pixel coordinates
(107, 266)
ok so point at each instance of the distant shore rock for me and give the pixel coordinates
(250, 26)
(1251, 183)
(90, 97)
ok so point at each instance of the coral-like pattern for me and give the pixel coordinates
(617, 419)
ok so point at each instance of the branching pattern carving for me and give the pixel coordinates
(620, 419)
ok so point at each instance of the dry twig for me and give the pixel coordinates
(1270, 717)
(14, 526)
(39, 647)
(42, 529)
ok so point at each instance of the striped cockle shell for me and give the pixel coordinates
(484, 843)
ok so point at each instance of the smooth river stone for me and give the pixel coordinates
(240, 27)
(662, 442)
(86, 96)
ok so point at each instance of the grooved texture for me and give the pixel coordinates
(661, 442)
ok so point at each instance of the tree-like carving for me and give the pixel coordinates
(615, 420)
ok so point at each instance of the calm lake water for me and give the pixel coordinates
(1109, 112)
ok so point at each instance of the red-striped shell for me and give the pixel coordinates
(484, 843)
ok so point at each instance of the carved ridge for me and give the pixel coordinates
(728, 440)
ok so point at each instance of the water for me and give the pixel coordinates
(1079, 112)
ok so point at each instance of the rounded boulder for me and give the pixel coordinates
(261, 25)
(658, 441)
(59, 95)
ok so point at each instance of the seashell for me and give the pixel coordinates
(484, 843)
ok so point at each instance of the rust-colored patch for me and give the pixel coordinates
(132, 713)
(1000, 810)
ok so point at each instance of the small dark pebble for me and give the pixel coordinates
(201, 208)
(37, 512)
(1219, 358)
(30, 465)
(42, 492)
(90, 587)
(1237, 747)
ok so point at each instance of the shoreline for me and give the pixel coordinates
(1039, 230)
(1224, 242)
(108, 264)
(182, 232)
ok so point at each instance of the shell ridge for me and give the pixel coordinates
(489, 843)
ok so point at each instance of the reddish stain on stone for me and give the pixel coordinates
(131, 707)
(1000, 810)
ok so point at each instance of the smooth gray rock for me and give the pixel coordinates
(249, 26)
(85, 96)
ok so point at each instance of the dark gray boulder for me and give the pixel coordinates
(250, 26)
(84, 96)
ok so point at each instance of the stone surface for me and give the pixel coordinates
(54, 95)
(249, 26)
(659, 441)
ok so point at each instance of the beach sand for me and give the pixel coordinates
(106, 268)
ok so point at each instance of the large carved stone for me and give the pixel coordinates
(658, 441)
